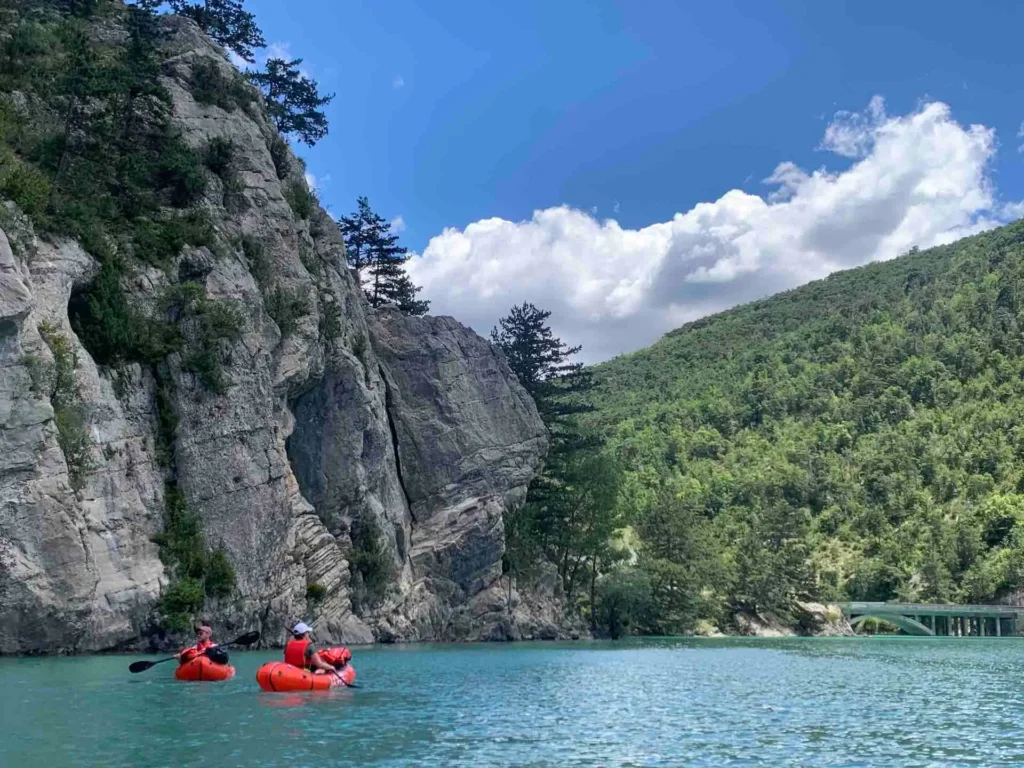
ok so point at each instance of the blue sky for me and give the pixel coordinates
(450, 113)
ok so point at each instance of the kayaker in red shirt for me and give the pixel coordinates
(300, 651)
(204, 640)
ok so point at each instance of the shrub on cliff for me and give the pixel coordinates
(370, 563)
(210, 85)
(68, 407)
(197, 572)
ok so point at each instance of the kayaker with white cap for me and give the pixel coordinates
(300, 651)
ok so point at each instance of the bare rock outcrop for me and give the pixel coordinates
(808, 619)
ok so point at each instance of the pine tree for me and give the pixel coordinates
(379, 261)
(571, 507)
(542, 363)
(293, 100)
(226, 22)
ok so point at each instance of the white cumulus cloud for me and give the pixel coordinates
(920, 179)
(398, 224)
(851, 134)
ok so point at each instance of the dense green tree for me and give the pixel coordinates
(373, 253)
(771, 560)
(81, 78)
(623, 601)
(226, 21)
(683, 563)
(294, 102)
(581, 516)
(142, 101)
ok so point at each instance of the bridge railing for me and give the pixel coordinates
(932, 609)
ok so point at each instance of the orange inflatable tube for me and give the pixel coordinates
(278, 677)
(202, 668)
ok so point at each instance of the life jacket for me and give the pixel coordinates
(190, 653)
(295, 653)
(336, 657)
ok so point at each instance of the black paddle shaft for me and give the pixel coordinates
(141, 666)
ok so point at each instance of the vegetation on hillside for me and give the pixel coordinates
(861, 437)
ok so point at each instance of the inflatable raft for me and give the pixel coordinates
(202, 668)
(278, 677)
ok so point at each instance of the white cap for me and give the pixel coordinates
(301, 629)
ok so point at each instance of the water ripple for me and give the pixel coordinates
(843, 702)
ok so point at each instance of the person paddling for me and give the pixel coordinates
(300, 651)
(204, 641)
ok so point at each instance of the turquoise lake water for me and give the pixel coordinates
(815, 702)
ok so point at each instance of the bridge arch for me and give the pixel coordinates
(953, 620)
(907, 624)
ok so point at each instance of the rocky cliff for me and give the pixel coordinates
(353, 467)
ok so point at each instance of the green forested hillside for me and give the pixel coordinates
(862, 437)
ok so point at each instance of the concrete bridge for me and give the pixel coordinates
(938, 619)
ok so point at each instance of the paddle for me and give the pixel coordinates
(141, 666)
(348, 685)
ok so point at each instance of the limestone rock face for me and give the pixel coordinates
(77, 568)
(345, 418)
(467, 440)
(821, 620)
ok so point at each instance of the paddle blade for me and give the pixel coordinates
(140, 666)
(217, 655)
(247, 639)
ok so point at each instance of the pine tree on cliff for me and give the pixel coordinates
(293, 100)
(379, 261)
(226, 22)
(543, 364)
(571, 509)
